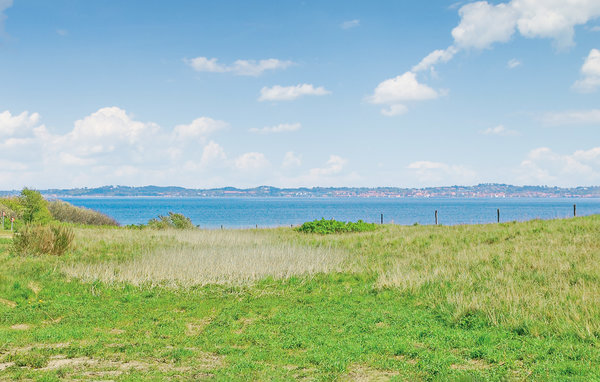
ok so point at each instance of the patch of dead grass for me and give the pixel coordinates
(364, 373)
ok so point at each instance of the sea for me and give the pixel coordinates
(251, 212)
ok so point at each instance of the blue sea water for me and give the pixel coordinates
(272, 212)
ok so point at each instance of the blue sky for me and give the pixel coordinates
(299, 93)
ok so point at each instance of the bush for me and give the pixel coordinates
(333, 226)
(34, 239)
(173, 220)
(68, 213)
(12, 208)
(35, 207)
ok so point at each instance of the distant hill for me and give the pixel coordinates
(487, 190)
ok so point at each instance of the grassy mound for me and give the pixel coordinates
(68, 213)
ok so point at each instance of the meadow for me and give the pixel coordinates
(510, 301)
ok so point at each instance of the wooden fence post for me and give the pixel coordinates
(436, 219)
(498, 211)
(574, 210)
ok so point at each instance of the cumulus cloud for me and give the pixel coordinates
(289, 93)
(544, 166)
(291, 160)
(590, 72)
(334, 165)
(239, 67)
(350, 24)
(428, 172)
(435, 57)
(483, 24)
(281, 128)
(110, 146)
(573, 117)
(396, 91)
(252, 161)
(212, 153)
(198, 128)
(17, 124)
(499, 130)
(513, 63)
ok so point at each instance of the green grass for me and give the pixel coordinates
(512, 301)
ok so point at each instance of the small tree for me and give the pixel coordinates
(35, 207)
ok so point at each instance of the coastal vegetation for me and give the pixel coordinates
(325, 227)
(508, 301)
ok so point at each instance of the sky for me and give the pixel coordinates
(293, 93)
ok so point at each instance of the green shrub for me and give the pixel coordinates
(13, 209)
(68, 213)
(35, 239)
(173, 220)
(35, 207)
(324, 226)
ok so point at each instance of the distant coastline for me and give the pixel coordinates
(487, 190)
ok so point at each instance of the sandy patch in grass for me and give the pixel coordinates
(194, 328)
(91, 367)
(35, 287)
(20, 327)
(10, 304)
(363, 373)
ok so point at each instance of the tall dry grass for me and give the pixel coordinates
(529, 276)
(200, 257)
(68, 213)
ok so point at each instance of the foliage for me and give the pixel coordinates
(494, 302)
(68, 213)
(172, 220)
(35, 239)
(35, 207)
(324, 226)
(13, 209)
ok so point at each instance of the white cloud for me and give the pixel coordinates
(435, 57)
(212, 153)
(595, 28)
(396, 91)
(282, 127)
(436, 173)
(573, 117)
(291, 160)
(62, 32)
(544, 166)
(513, 63)
(483, 24)
(199, 128)
(402, 88)
(17, 124)
(590, 72)
(350, 24)
(499, 130)
(252, 161)
(334, 165)
(239, 67)
(289, 93)
(4, 4)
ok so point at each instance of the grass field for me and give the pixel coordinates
(513, 301)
